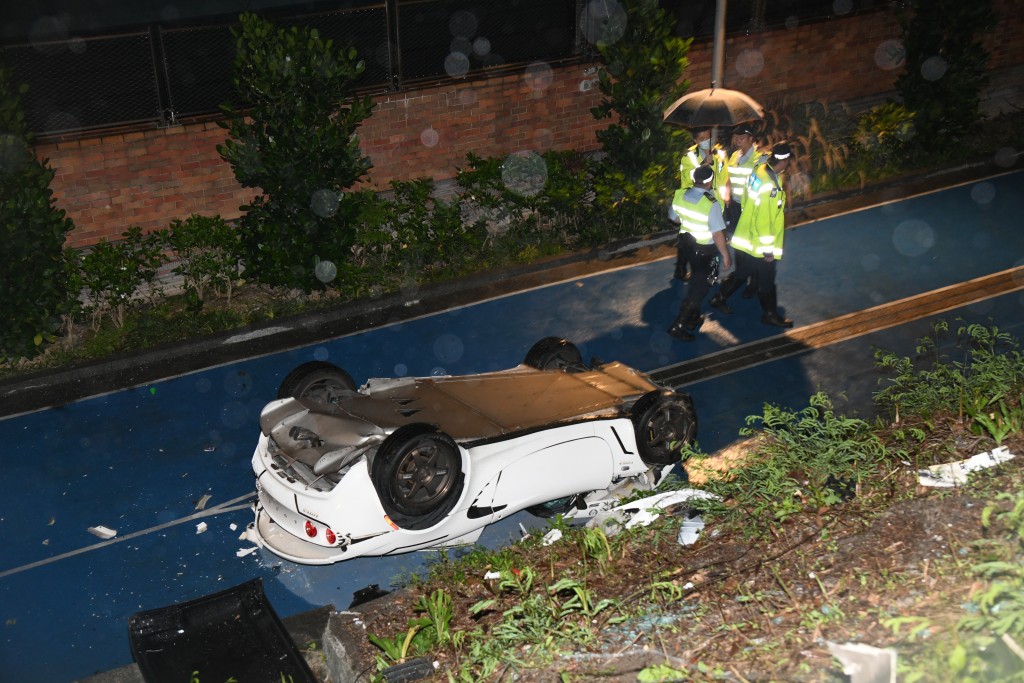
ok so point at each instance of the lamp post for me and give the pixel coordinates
(718, 56)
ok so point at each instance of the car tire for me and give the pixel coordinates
(554, 353)
(664, 422)
(318, 380)
(418, 475)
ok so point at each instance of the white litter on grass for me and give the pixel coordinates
(492, 576)
(645, 510)
(552, 536)
(200, 528)
(953, 474)
(865, 663)
(103, 532)
(203, 501)
(243, 552)
(690, 530)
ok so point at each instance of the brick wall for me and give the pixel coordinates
(149, 178)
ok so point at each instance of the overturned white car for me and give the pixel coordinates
(414, 463)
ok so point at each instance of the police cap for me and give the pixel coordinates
(781, 151)
(702, 175)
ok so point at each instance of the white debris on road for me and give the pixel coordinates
(103, 532)
(953, 474)
(201, 527)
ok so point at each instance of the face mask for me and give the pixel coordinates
(704, 144)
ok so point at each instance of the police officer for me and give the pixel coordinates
(745, 157)
(701, 153)
(700, 216)
(759, 236)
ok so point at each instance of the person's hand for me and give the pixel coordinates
(769, 257)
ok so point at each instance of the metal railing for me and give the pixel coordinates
(160, 75)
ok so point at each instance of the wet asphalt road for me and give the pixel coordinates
(139, 460)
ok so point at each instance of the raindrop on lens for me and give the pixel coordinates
(890, 54)
(324, 203)
(325, 271)
(539, 76)
(750, 63)
(448, 348)
(438, 372)
(429, 137)
(603, 21)
(870, 262)
(481, 46)
(401, 370)
(456, 65)
(841, 7)
(463, 24)
(983, 193)
(1006, 157)
(933, 68)
(913, 237)
(320, 353)
(524, 173)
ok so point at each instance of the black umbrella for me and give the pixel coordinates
(713, 107)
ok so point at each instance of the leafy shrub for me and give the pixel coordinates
(805, 460)
(207, 250)
(531, 204)
(119, 275)
(884, 133)
(32, 234)
(642, 74)
(295, 141)
(985, 389)
(412, 235)
(945, 68)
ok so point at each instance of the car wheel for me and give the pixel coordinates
(664, 422)
(553, 353)
(553, 508)
(318, 380)
(418, 475)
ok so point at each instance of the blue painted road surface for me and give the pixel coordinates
(166, 466)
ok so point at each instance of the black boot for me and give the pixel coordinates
(679, 332)
(718, 301)
(769, 307)
(687, 322)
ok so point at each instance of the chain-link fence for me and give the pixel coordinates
(162, 74)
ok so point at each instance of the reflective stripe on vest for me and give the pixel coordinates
(693, 218)
(738, 176)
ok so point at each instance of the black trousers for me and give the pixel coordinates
(701, 258)
(763, 270)
(684, 245)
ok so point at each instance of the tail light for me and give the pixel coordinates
(310, 529)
